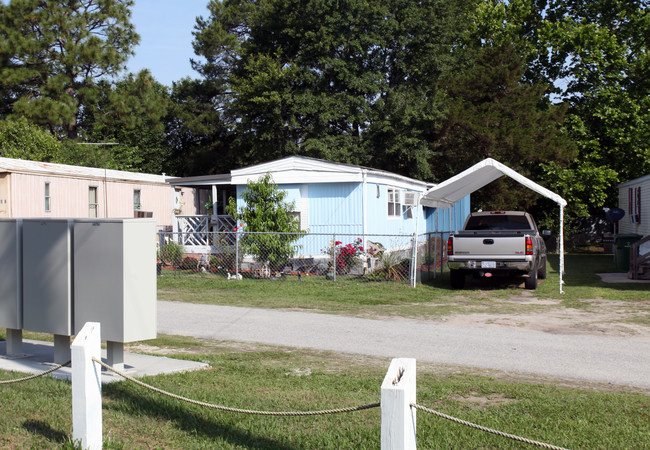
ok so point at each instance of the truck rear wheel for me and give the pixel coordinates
(531, 281)
(457, 279)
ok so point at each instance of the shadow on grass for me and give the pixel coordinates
(580, 270)
(44, 429)
(496, 282)
(184, 418)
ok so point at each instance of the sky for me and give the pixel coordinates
(165, 28)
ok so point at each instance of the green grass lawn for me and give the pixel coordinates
(428, 300)
(37, 414)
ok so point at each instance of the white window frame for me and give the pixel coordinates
(93, 206)
(137, 199)
(48, 196)
(634, 202)
(410, 203)
(394, 203)
(297, 216)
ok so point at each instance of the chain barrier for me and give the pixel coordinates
(289, 413)
(236, 410)
(42, 374)
(486, 429)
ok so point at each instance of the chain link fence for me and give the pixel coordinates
(331, 256)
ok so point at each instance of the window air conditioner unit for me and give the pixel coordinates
(410, 198)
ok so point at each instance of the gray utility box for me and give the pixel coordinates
(115, 277)
(11, 274)
(47, 276)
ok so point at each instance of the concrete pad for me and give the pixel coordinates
(619, 277)
(38, 357)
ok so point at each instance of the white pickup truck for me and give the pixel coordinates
(497, 243)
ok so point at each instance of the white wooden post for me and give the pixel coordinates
(87, 388)
(398, 391)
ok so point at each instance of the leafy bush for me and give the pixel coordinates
(347, 256)
(215, 262)
(266, 211)
(189, 263)
(392, 269)
(171, 254)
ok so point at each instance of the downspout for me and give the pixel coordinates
(415, 242)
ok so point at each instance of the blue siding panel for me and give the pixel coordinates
(458, 213)
(335, 208)
(335, 211)
(380, 223)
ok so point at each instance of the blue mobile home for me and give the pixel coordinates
(337, 200)
(352, 200)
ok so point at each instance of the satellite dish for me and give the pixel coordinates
(614, 214)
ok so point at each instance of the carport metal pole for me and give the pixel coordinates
(561, 248)
(435, 255)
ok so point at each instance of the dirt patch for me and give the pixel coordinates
(475, 400)
(594, 317)
(203, 346)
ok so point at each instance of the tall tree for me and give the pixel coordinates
(197, 134)
(22, 140)
(130, 112)
(322, 78)
(53, 52)
(494, 113)
(594, 57)
(608, 71)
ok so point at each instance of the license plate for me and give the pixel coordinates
(488, 264)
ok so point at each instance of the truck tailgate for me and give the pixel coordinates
(493, 247)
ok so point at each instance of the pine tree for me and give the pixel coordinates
(52, 53)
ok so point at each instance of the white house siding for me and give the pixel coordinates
(626, 225)
(69, 197)
(153, 198)
(185, 201)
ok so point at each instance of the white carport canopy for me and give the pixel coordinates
(445, 194)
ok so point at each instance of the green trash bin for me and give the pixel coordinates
(622, 243)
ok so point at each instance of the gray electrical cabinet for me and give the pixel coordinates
(47, 276)
(11, 284)
(115, 277)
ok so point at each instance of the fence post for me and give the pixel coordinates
(334, 266)
(414, 261)
(398, 391)
(236, 252)
(87, 388)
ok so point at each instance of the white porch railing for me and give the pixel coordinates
(194, 231)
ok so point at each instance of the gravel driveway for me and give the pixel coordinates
(604, 359)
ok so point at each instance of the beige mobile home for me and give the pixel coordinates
(31, 189)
